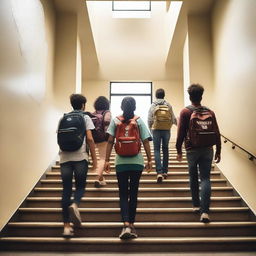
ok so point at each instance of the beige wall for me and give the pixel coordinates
(234, 40)
(65, 58)
(28, 113)
(200, 54)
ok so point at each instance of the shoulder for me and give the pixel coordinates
(86, 117)
(185, 112)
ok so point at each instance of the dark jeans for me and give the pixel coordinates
(200, 160)
(161, 137)
(79, 169)
(128, 183)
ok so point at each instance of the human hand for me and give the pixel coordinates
(148, 166)
(217, 158)
(107, 167)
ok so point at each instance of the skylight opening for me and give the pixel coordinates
(131, 9)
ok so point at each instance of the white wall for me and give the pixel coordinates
(234, 40)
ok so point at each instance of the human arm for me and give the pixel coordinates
(182, 132)
(110, 144)
(150, 116)
(146, 146)
(174, 120)
(91, 145)
(217, 156)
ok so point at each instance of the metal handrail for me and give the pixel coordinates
(234, 145)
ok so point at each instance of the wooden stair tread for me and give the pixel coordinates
(140, 189)
(163, 199)
(141, 181)
(107, 240)
(139, 224)
(148, 210)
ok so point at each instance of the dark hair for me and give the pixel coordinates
(128, 106)
(77, 101)
(195, 92)
(101, 103)
(160, 93)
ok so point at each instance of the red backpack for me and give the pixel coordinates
(202, 131)
(127, 136)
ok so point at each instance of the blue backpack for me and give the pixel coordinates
(71, 131)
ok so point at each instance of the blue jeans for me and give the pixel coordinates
(161, 137)
(80, 169)
(200, 159)
(128, 183)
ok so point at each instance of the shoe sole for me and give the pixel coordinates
(125, 236)
(134, 235)
(68, 236)
(97, 184)
(159, 180)
(76, 221)
(205, 220)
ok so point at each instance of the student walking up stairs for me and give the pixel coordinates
(165, 219)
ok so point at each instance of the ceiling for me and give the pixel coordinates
(119, 50)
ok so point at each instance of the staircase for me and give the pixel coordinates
(165, 220)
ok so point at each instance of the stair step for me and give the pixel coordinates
(171, 167)
(143, 183)
(98, 192)
(144, 229)
(112, 175)
(142, 202)
(156, 244)
(143, 214)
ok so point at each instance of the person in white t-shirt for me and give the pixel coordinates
(75, 163)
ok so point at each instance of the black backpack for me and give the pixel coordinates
(71, 131)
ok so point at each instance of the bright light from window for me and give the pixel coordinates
(141, 92)
(131, 9)
(131, 5)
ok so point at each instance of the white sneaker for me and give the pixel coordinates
(165, 175)
(159, 178)
(75, 215)
(100, 183)
(126, 233)
(196, 209)
(205, 218)
(68, 232)
(133, 232)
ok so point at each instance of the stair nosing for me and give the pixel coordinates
(138, 224)
(107, 240)
(142, 209)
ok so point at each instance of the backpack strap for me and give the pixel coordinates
(121, 118)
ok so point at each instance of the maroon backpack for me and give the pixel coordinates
(202, 131)
(127, 136)
(99, 133)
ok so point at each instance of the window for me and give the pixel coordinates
(131, 9)
(140, 91)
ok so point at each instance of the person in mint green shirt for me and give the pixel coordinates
(128, 168)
